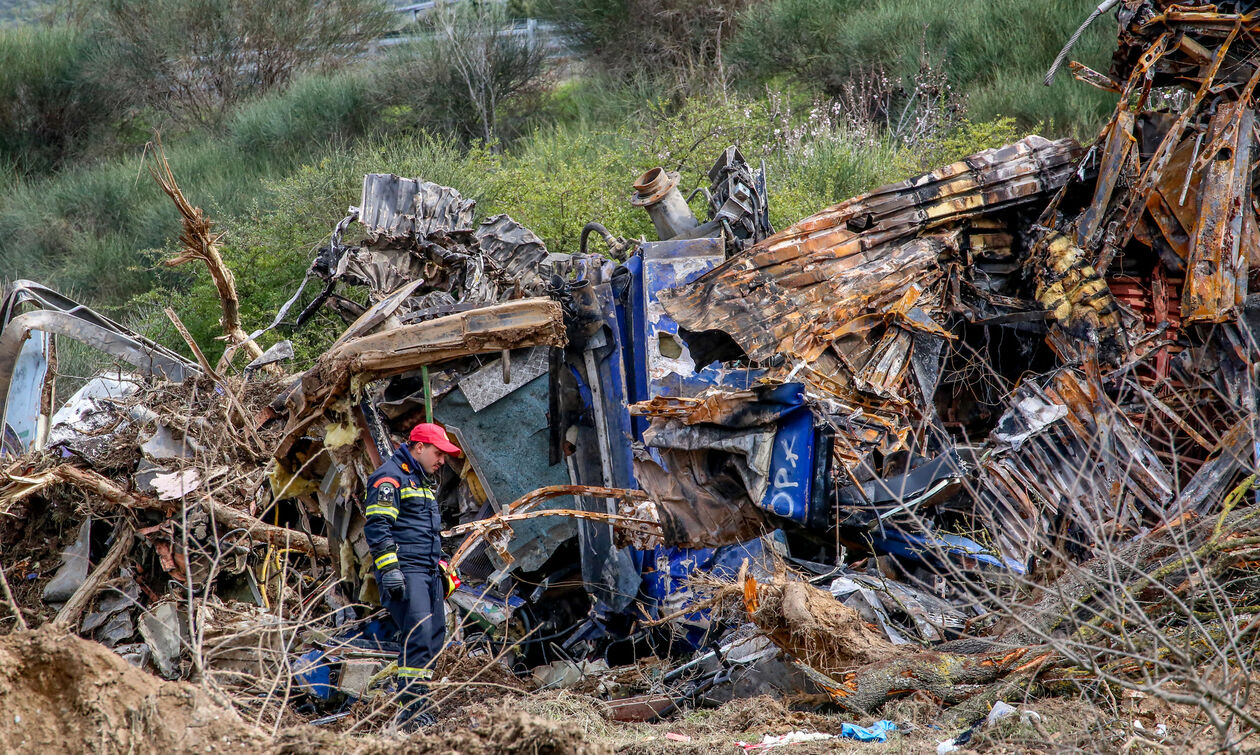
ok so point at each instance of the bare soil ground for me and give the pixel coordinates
(59, 693)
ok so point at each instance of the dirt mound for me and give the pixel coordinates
(59, 693)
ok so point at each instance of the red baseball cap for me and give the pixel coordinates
(427, 432)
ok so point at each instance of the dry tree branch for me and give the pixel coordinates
(201, 243)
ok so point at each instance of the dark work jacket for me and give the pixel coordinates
(403, 523)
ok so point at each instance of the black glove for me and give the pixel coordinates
(393, 586)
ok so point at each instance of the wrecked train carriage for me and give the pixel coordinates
(729, 449)
(1078, 371)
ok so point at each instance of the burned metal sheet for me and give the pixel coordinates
(392, 206)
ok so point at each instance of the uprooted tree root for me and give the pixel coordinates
(813, 627)
(853, 662)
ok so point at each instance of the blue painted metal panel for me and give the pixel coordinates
(667, 571)
(21, 410)
(792, 468)
(633, 326)
(612, 574)
(666, 265)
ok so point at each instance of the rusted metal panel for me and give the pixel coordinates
(1216, 277)
(790, 293)
(1116, 152)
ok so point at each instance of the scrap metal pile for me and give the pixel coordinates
(1005, 402)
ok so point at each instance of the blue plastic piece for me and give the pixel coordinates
(313, 673)
(923, 548)
(877, 732)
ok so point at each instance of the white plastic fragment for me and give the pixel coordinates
(999, 711)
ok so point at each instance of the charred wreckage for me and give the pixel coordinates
(891, 413)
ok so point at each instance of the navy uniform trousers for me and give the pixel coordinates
(422, 620)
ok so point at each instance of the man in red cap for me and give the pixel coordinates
(403, 531)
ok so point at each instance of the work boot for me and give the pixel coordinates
(416, 715)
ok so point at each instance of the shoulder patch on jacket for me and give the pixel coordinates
(384, 480)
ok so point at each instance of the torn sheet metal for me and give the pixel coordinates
(517, 324)
(669, 367)
(25, 417)
(904, 613)
(1216, 270)
(392, 206)
(794, 463)
(499, 378)
(57, 315)
(1065, 449)
(749, 449)
(699, 507)
(792, 292)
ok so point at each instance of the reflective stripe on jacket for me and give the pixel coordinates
(403, 522)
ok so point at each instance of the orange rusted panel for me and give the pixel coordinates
(1216, 272)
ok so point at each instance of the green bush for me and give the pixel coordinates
(51, 107)
(675, 41)
(303, 118)
(87, 229)
(994, 52)
(196, 61)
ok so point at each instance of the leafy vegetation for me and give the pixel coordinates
(995, 53)
(194, 61)
(51, 110)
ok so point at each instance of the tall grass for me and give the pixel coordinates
(50, 103)
(993, 51)
(94, 230)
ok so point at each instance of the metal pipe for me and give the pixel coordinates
(657, 192)
(592, 226)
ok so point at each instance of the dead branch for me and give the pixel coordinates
(281, 537)
(8, 596)
(201, 243)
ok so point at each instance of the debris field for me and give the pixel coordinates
(971, 443)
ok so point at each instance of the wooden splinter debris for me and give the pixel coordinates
(70, 612)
